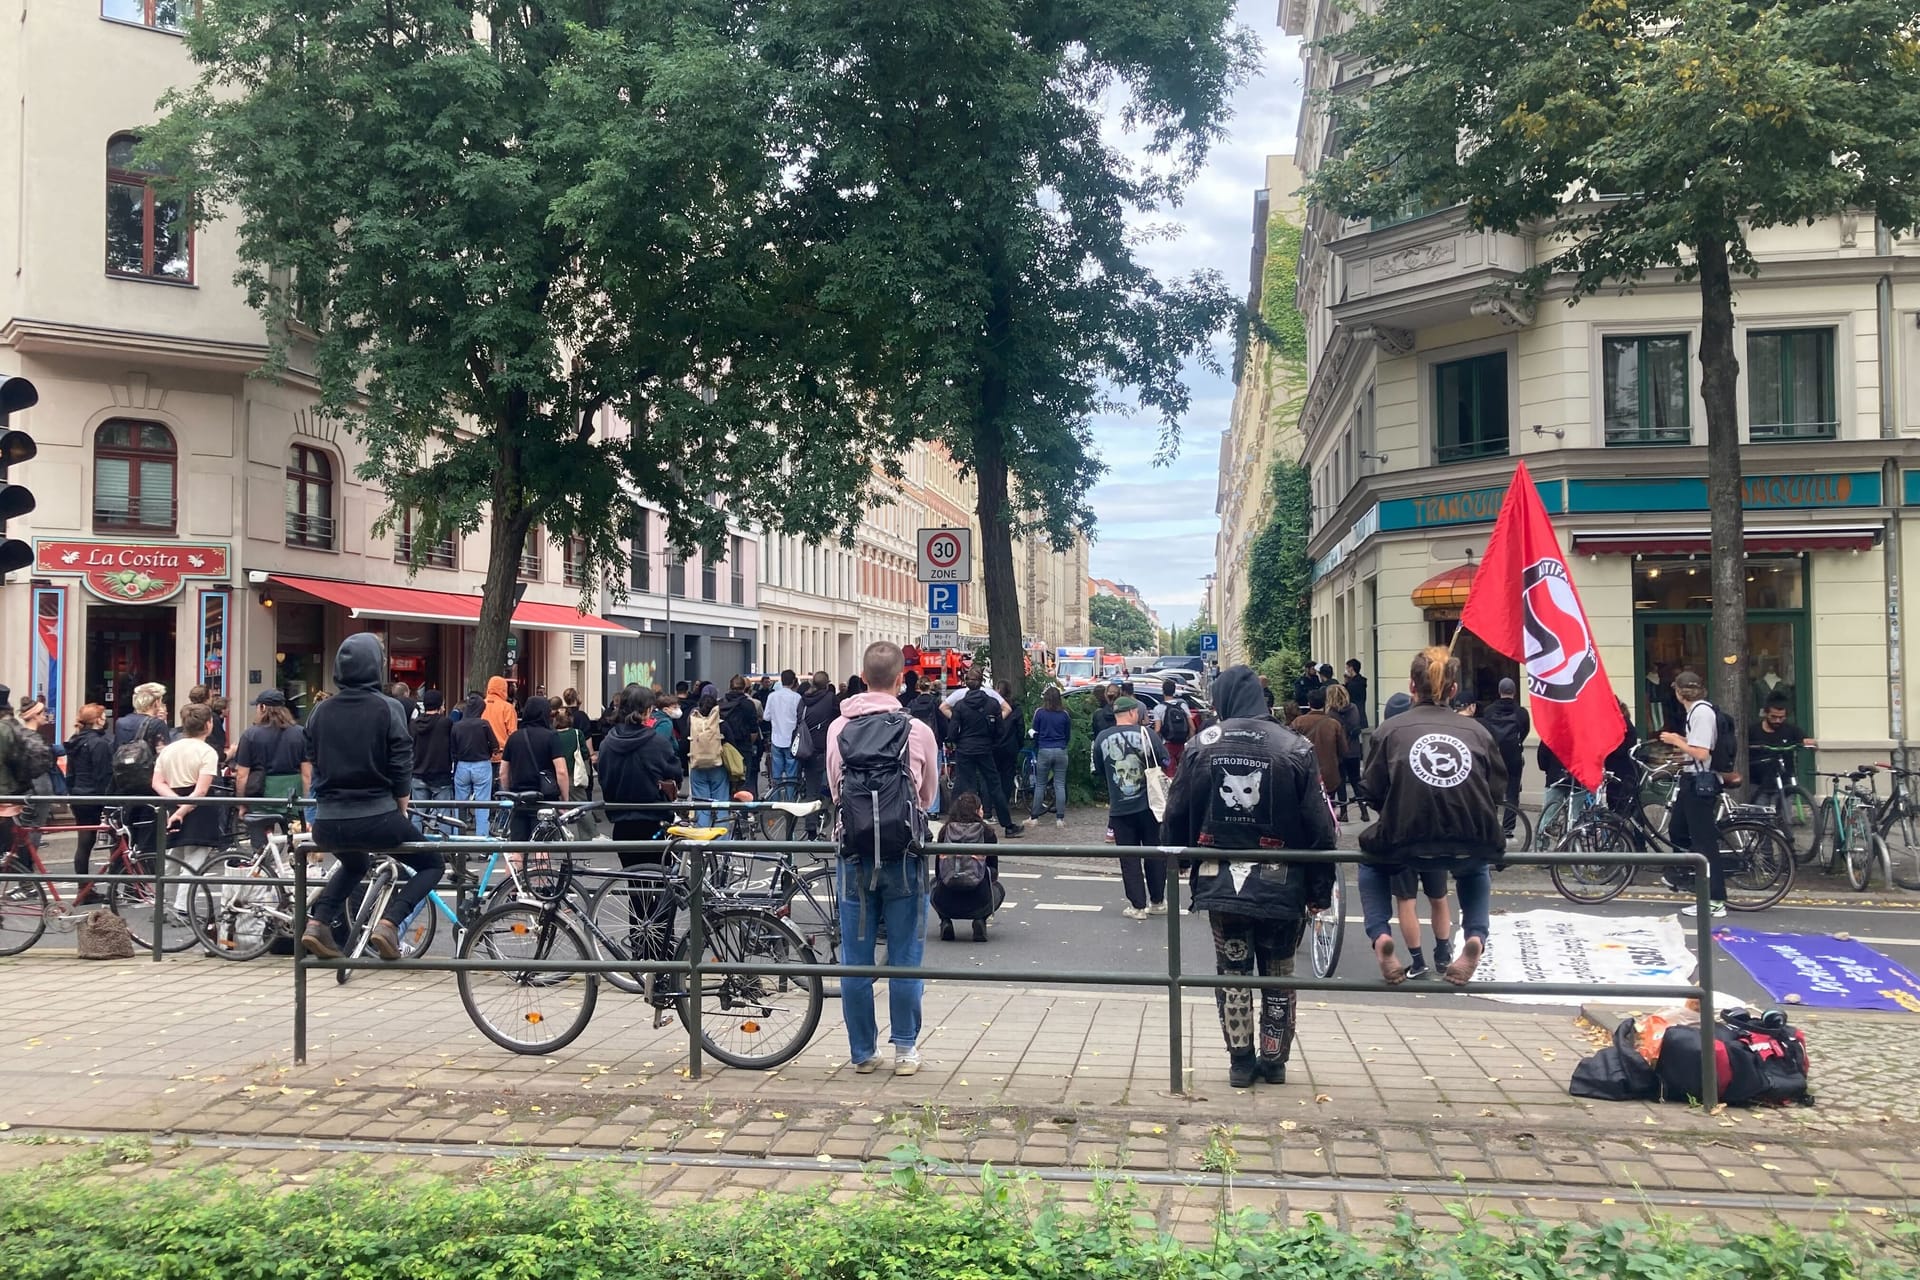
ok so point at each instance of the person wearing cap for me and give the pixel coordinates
(432, 749)
(1509, 724)
(270, 761)
(1120, 758)
(1696, 809)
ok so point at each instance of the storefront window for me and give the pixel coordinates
(1681, 583)
(213, 641)
(299, 656)
(1673, 602)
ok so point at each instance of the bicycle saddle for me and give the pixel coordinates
(526, 798)
(798, 808)
(697, 833)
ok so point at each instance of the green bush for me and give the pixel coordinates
(528, 1221)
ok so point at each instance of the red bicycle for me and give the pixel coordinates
(27, 905)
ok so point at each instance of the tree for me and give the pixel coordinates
(976, 221)
(496, 237)
(1279, 607)
(1201, 626)
(1118, 627)
(1639, 138)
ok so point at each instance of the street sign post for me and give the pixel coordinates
(943, 622)
(940, 640)
(946, 555)
(1210, 642)
(943, 598)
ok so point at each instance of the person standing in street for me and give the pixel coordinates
(706, 757)
(1120, 758)
(883, 772)
(1356, 686)
(975, 714)
(1696, 809)
(819, 707)
(1103, 717)
(1304, 685)
(1052, 730)
(1011, 741)
(432, 750)
(270, 760)
(362, 758)
(186, 768)
(1509, 724)
(474, 748)
(1174, 721)
(89, 773)
(783, 726)
(531, 762)
(1436, 778)
(1328, 738)
(740, 726)
(499, 712)
(1341, 709)
(1250, 783)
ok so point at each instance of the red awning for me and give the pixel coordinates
(411, 604)
(1670, 542)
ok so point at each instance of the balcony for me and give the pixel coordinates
(1428, 269)
(304, 530)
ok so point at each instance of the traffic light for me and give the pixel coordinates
(15, 446)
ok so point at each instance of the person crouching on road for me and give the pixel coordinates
(1248, 782)
(882, 770)
(966, 883)
(1436, 779)
(362, 754)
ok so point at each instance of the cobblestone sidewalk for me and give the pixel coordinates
(1421, 1104)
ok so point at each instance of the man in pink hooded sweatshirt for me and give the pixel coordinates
(890, 891)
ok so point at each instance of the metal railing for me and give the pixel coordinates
(1173, 979)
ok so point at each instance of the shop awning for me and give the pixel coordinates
(1446, 589)
(1669, 542)
(412, 604)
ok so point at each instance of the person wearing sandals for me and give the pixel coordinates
(966, 883)
(1436, 779)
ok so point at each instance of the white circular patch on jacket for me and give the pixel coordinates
(1440, 760)
(1210, 734)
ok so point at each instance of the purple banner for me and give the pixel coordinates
(1823, 972)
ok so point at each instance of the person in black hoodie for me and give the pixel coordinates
(740, 729)
(1012, 739)
(976, 714)
(819, 707)
(1248, 782)
(89, 773)
(638, 766)
(432, 750)
(1509, 724)
(1436, 779)
(362, 757)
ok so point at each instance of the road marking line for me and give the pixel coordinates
(1021, 875)
(1095, 879)
(1065, 906)
(1886, 942)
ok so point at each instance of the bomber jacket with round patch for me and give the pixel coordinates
(1437, 779)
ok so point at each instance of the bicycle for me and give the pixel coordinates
(27, 905)
(1327, 926)
(753, 1021)
(1898, 822)
(1847, 823)
(1020, 797)
(1758, 861)
(1792, 806)
(1517, 826)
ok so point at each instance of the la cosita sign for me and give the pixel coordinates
(132, 572)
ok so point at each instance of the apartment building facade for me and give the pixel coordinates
(195, 525)
(1425, 391)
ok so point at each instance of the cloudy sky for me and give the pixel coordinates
(1157, 525)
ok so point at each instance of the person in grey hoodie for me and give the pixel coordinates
(361, 750)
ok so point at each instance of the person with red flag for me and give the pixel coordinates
(1524, 605)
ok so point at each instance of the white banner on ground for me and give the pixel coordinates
(1597, 951)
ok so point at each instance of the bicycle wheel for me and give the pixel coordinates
(235, 921)
(416, 932)
(23, 913)
(813, 909)
(1903, 848)
(775, 824)
(1597, 834)
(1860, 853)
(1329, 927)
(1797, 823)
(638, 916)
(522, 1011)
(755, 1021)
(133, 902)
(1760, 865)
(1518, 826)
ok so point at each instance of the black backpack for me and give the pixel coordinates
(133, 762)
(1726, 743)
(1175, 724)
(880, 813)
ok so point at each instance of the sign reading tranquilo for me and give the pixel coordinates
(131, 572)
(1464, 506)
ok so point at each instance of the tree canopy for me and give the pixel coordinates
(1640, 138)
(1118, 627)
(1280, 573)
(487, 244)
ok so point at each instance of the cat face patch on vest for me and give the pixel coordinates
(1242, 794)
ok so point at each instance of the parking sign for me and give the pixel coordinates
(1210, 642)
(943, 597)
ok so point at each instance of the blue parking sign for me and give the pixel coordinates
(943, 597)
(1210, 642)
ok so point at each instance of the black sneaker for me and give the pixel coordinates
(1442, 952)
(1273, 1070)
(1014, 829)
(1417, 966)
(1241, 1070)
(946, 931)
(979, 930)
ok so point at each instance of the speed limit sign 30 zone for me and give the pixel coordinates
(946, 555)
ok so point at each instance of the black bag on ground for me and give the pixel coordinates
(880, 813)
(1618, 1073)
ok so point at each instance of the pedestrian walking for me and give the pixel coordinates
(89, 773)
(362, 758)
(706, 757)
(1328, 738)
(432, 750)
(1052, 731)
(1250, 783)
(1696, 810)
(974, 716)
(1121, 757)
(1509, 724)
(881, 769)
(1436, 779)
(1352, 721)
(966, 884)
(783, 727)
(474, 748)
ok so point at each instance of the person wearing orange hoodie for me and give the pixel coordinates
(499, 713)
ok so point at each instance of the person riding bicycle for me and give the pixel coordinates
(361, 750)
(1437, 779)
(1771, 743)
(1248, 782)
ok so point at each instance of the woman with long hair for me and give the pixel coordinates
(89, 773)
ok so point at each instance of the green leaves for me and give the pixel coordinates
(1280, 573)
(1118, 627)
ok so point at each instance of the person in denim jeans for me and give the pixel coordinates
(473, 747)
(888, 892)
(1052, 727)
(783, 724)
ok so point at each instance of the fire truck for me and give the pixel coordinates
(937, 668)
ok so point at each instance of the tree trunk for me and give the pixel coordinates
(1719, 379)
(506, 537)
(1004, 632)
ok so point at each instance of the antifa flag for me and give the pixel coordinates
(1523, 604)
